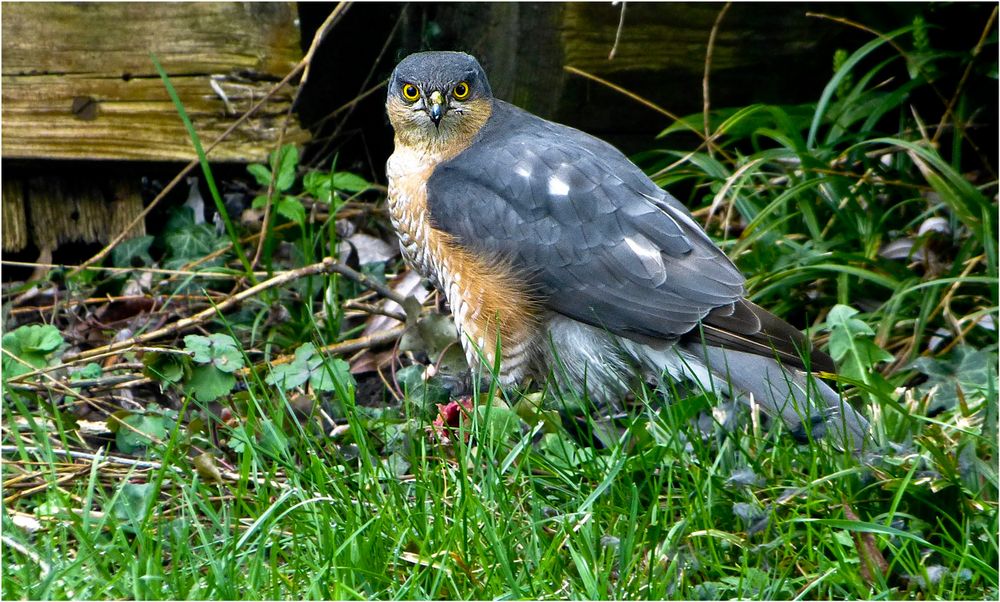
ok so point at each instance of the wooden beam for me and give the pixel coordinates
(78, 82)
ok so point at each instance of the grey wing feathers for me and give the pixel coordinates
(751, 328)
(604, 244)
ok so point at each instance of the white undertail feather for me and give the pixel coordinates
(579, 353)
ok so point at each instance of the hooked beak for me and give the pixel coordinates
(437, 107)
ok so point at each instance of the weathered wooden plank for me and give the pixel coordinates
(15, 221)
(78, 82)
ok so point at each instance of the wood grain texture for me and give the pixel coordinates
(78, 82)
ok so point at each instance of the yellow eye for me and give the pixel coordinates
(461, 91)
(410, 92)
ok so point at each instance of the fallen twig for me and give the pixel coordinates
(328, 265)
(142, 464)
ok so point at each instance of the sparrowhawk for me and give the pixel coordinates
(553, 248)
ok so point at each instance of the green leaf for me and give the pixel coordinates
(260, 173)
(330, 371)
(500, 423)
(845, 69)
(851, 345)
(322, 373)
(970, 371)
(192, 242)
(125, 253)
(145, 429)
(133, 502)
(32, 344)
(563, 452)
(219, 350)
(317, 184)
(272, 440)
(89, 371)
(165, 367)
(39, 338)
(239, 440)
(295, 373)
(208, 383)
(348, 182)
(291, 209)
(284, 163)
(418, 391)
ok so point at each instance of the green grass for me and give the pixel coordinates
(246, 485)
(663, 512)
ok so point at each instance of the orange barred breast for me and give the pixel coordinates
(487, 296)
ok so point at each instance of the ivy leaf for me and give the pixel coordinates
(183, 239)
(196, 240)
(133, 252)
(208, 383)
(219, 350)
(967, 370)
(31, 344)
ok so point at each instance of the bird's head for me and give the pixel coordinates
(435, 96)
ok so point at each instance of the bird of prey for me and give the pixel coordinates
(556, 251)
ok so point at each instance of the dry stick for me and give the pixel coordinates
(370, 309)
(348, 105)
(618, 33)
(328, 265)
(113, 270)
(107, 383)
(372, 340)
(43, 567)
(57, 384)
(892, 42)
(965, 76)
(65, 363)
(639, 99)
(942, 305)
(32, 490)
(208, 149)
(708, 68)
(109, 299)
(203, 316)
(351, 345)
(142, 464)
(321, 32)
